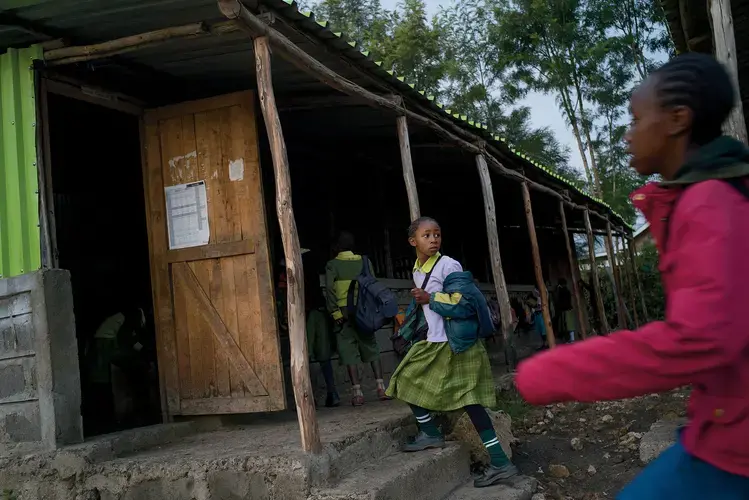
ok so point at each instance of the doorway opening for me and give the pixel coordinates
(101, 238)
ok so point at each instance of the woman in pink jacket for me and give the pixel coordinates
(699, 218)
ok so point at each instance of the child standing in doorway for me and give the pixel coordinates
(432, 377)
(354, 347)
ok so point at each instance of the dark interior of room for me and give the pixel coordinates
(102, 240)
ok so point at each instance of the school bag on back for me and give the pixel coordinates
(375, 303)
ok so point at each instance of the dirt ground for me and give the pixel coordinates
(586, 451)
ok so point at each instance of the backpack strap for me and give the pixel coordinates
(366, 272)
(423, 286)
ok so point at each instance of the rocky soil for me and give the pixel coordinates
(585, 451)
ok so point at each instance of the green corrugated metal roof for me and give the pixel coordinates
(19, 200)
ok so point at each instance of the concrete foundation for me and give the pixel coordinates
(260, 459)
(40, 390)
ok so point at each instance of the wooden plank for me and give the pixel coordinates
(230, 229)
(260, 337)
(295, 273)
(214, 251)
(200, 106)
(724, 42)
(184, 275)
(90, 95)
(144, 148)
(636, 273)
(219, 406)
(249, 333)
(540, 283)
(408, 168)
(208, 148)
(46, 191)
(160, 279)
(621, 311)
(573, 272)
(596, 284)
(498, 274)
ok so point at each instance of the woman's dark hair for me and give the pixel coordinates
(418, 222)
(701, 83)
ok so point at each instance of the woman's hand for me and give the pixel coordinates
(420, 296)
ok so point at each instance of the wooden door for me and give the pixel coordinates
(217, 336)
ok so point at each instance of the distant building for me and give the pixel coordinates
(642, 237)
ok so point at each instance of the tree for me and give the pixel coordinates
(486, 95)
(548, 47)
(449, 56)
(637, 27)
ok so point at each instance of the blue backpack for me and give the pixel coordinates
(375, 304)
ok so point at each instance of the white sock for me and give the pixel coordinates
(380, 384)
(356, 389)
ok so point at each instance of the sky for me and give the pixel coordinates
(544, 110)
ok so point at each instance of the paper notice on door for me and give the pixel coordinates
(187, 215)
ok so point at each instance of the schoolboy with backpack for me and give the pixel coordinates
(358, 305)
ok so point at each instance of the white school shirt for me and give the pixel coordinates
(441, 270)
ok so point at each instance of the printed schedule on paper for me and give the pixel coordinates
(187, 215)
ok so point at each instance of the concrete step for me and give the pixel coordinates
(520, 488)
(380, 432)
(412, 476)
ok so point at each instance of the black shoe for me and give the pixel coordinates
(495, 475)
(424, 442)
(333, 400)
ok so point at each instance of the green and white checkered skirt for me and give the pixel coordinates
(433, 377)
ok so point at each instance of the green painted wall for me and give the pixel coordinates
(19, 197)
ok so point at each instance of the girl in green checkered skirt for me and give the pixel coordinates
(432, 377)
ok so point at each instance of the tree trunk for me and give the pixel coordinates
(537, 268)
(631, 251)
(408, 168)
(575, 285)
(596, 284)
(572, 117)
(628, 277)
(616, 280)
(303, 394)
(724, 43)
(503, 297)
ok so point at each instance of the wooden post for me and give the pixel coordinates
(303, 395)
(628, 276)
(632, 258)
(537, 265)
(621, 311)
(596, 284)
(573, 263)
(408, 168)
(724, 44)
(503, 297)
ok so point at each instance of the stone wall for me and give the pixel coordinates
(40, 391)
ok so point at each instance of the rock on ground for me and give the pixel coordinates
(460, 428)
(661, 435)
(576, 444)
(558, 471)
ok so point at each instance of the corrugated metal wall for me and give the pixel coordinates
(19, 199)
